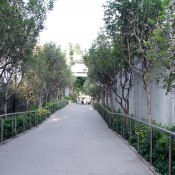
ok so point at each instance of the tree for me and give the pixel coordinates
(163, 40)
(48, 73)
(20, 24)
(78, 85)
(77, 49)
(92, 89)
(108, 69)
(130, 24)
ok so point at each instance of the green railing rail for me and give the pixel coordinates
(14, 124)
(133, 130)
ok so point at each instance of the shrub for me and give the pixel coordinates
(25, 121)
(160, 153)
(68, 98)
(42, 114)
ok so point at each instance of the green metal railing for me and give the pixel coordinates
(14, 124)
(132, 129)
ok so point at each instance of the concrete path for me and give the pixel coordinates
(74, 141)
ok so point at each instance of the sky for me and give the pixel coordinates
(75, 21)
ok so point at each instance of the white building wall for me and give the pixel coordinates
(67, 92)
(138, 101)
(163, 106)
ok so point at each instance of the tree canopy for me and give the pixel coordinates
(35, 75)
(136, 43)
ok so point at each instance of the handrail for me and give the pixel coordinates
(141, 121)
(108, 116)
(24, 112)
(20, 122)
(16, 113)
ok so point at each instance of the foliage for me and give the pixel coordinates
(160, 153)
(77, 49)
(163, 40)
(99, 60)
(73, 97)
(131, 26)
(108, 69)
(31, 73)
(135, 43)
(43, 112)
(78, 85)
(68, 98)
(21, 22)
(91, 89)
(47, 75)
(27, 120)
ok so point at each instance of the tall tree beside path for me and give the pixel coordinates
(20, 25)
(131, 24)
(164, 54)
(49, 75)
(110, 71)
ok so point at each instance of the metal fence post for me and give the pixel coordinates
(117, 124)
(151, 145)
(109, 119)
(104, 115)
(130, 131)
(12, 127)
(113, 121)
(124, 121)
(121, 119)
(30, 120)
(23, 120)
(138, 146)
(35, 117)
(105, 118)
(2, 130)
(170, 155)
(15, 126)
(45, 116)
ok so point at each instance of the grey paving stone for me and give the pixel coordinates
(74, 141)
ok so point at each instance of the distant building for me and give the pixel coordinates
(78, 67)
(76, 63)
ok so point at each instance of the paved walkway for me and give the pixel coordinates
(74, 141)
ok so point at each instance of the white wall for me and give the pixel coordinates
(67, 92)
(163, 106)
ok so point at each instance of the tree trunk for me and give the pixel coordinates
(5, 99)
(106, 96)
(127, 107)
(40, 100)
(51, 96)
(127, 112)
(103, 96)
(57, 95)
(124, 103)
(14, 104)
(148, 93)
(111, 99)
(5, 106)
(47, 94)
